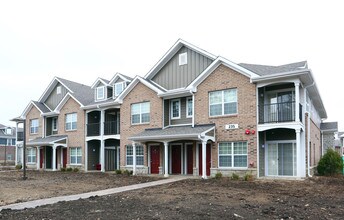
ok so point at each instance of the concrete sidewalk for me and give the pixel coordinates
(48, 201)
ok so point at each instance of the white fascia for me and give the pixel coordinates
(116, 76)
(64, 100)
(176, 93)
(96, 83)
(27, 109)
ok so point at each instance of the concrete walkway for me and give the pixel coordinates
(48, 201)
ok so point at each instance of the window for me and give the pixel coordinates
(34, 126)
(223, 102)
(54, 124)
(139, 155)
(175, 109)
(13, 142)
(31, 155)
(58, 90)
(8, 131)
(189, 107)
(9, 142)
(100, 92)
(9, 157)
(140, 113)
(233, 154)
(183, 58)
(119, 87)
(71, 120)
(75, 155)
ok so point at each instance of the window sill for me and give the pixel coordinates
(140, 124)
(233, 168)
(224, 116)
(71, 130)
(75, 164)
(175, 118)
(136, 165)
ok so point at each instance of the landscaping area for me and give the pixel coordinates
(223, 198)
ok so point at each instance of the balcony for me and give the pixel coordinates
(110, 128)
(278, 112)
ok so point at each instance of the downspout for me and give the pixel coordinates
(322, 143)
(308, 130)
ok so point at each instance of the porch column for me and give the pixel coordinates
(204, 156)
(134, 158)
(16, 153)
(166, 159)
(297, 102)
(299, 167)
(102, 144)
(54, 158)
(38, 160)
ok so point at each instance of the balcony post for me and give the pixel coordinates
(297, 102)
(102, 144)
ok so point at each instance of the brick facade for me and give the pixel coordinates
(226, 78)
(140, 93)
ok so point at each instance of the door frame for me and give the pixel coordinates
(199, 145)
(181, 157)
(266, 156)
(149, 155)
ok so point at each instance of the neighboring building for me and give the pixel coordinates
(7, 145)
(194, 113)
(328, 131)
(55, 126)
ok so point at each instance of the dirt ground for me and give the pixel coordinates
(50, 184)
(314, 198)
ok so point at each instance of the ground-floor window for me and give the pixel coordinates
(75, 155)
(31, 155)
(233, 155)
(139, 155)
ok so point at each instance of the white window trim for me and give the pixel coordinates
(103, 94)
(132, 156)
(36, 119)
(58, 90)
(114, 88)
(181, 56)
(70, 155)
(31, 155)
(76, 120)
(187, 107)
(223, 103)
(131, 115)
(171, 106)
(232, 155)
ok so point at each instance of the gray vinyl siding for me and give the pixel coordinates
(118, 80)
(173, 76)
(54, 99)
(183, 119)
(166, 113)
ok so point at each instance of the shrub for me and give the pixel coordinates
(118, 171)
(330, 164)
(76, 169)
(63, 169)
(248, 177)
(19, 166)
(235, 176)
(218, 175)
(69, 169)
(127, 172)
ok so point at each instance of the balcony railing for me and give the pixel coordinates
(110, 128)
(278, 112)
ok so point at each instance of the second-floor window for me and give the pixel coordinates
(34, 126)
(71, 121)
(140, 113)
(119, 87)
(54, 124)
(223, 102)
(100, 92)
(189, 107)
(175, 109)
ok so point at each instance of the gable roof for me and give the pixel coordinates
(264, 70)
(122, 76)
(135, 81)
(171, 52)
(104, 81)
(38, 105)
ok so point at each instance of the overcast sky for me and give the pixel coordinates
(83, 40)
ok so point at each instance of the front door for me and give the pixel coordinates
(155, 159)
(208, 161)
(110, 159)
(189, 152)
(176, 159)
(64, 152)
(48, 157)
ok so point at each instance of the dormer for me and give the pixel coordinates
(119, 82)
(102, 90)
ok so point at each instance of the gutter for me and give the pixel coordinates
(280, 75)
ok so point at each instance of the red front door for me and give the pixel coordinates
(64, 152)
(41, 157)
(189, 159)
(155, 159)
(208, 161)
(176, 159)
